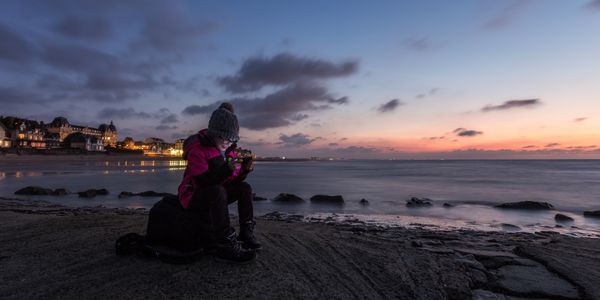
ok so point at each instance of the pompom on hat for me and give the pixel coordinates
(223, 123)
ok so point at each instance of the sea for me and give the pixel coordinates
(471, 187)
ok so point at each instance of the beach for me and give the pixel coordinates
(50, 251)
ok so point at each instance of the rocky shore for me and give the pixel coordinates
(51, 251)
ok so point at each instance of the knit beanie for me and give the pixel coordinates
(223, 123)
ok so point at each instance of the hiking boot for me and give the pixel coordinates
(247, 236)
(229, 249)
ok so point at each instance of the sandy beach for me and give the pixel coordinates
(50, 251)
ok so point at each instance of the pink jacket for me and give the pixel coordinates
(206, 166)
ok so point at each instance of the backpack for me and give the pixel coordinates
(174, 235)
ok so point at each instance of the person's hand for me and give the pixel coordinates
(248, 164)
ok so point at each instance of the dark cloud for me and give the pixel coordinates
(342, 100)
(506, 16)
(577, 120)
(116, 82)
(83, 28)
(172, 118)
(295, 140)
(529, 147)
(78, 58)
(466, 132)
(433, 138)
(281, 108)
(283, 69)
(356, 150)
(16, 96)
(389, 106)
(333, 144)
(582, 147)
(420, 44)
(551, 145)
(431, 92)
(165, 127)
(512, 104)
(168, 29)
(593, 5)
(122, 113)
(14, 48)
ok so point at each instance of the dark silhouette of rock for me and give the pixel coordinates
(338, 199)
(593, 214)
(288, 198)
(257, 198)
(91, 193)
(60, 192)
(447, 205)
(510, 227)
(526, 205)
(125, 194)
(535, 280)
(34, 190)
(418, 202)
(563, 218)
(363, 202)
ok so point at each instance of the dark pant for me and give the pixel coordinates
(211, 203)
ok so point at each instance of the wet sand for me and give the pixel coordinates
(50, 251)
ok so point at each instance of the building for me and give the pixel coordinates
(5, 141)
(24, 133)
(107, 134)
(82, 141)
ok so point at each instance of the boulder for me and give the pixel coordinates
(363, 202)
(447, 205)
(510, 227)
(153, 194)
(91, 193)
(288, 198)
(562, 218)
(338, 199)
(60, 192)
(34, 190)
(526, 205)
(257, 198)
(125, 194)
(418, 202)
(593, 214)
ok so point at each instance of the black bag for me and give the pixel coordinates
(169, 224)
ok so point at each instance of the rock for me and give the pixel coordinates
(510, 227)
(418, 202)
(34, 190)
(535, 280)
(288, 198)
(91, 193)
(447, 205)
(563, 218)
(126, 194)
(60, 192)
(363, 202)
(526, 205)
(338, 199)
(593, 214)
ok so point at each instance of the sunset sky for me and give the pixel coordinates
(353, 79)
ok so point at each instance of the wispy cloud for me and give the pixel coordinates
(506, 16)
(420, 44)
(389, 106)
(295, 140)
(552, 145)
(578, 120)
(512, 104)
(462, 132)
(593, 5)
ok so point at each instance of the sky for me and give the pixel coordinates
(347, 79)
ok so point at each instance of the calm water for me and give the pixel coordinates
(572, 186)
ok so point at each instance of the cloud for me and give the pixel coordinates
(593, 5)
(466, 132)
(165, 127)
(14, 48)
(78, 58)
(295, 140)
(577, 120)
(356, 150)
(420, 44)
(389, 106)
(433, 138)
(282, 69)
(169, 29)
(506, 16)
(512, 104)
(281, 108)
(122, 113)
(83, 28)
(431, 92)
(16, 96)
(333, 144)
(172, 118)
(551, 145)
(529, 147)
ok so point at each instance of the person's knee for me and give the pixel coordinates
(215, 192)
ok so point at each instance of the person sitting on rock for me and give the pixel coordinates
(214, 178)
